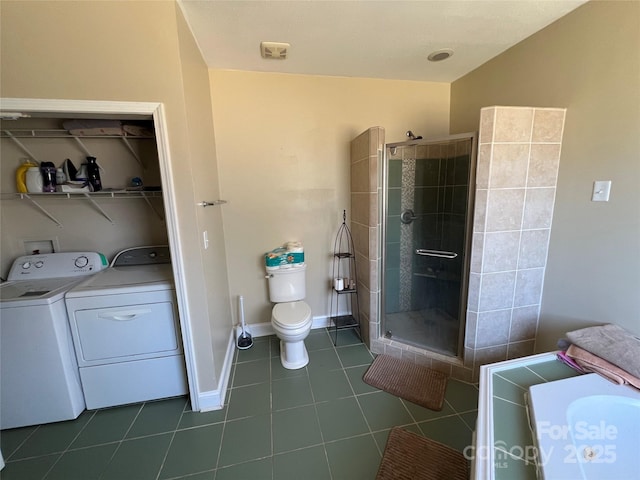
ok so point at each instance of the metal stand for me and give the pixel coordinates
(344, 283)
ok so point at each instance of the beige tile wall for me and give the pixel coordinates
(365, 195)
(518, 159)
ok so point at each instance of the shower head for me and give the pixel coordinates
(412, 136)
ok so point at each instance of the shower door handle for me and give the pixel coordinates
(436, 253)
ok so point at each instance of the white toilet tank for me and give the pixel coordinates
(287, 284)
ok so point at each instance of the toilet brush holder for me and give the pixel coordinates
(243, 337)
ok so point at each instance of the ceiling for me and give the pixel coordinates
(367, 38)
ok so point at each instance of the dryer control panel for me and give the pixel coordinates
(152, 255)
(57, 265)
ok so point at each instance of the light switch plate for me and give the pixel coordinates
(601, 191)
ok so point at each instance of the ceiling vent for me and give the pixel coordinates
(274, 50)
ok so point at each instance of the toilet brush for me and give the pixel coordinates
(244, 339)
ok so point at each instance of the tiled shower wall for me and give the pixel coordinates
(516, 176)
(366, 194)
(432, 180)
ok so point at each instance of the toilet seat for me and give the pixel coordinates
(290, 315)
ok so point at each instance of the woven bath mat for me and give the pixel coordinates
(408, 456)
(415, 383)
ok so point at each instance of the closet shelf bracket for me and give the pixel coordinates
(42, 209)
(91, 197)
(21, 145)
(83, 147)
(155, 210)
(134, 153)
(93, 202)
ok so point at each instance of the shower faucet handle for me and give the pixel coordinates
(407, 216)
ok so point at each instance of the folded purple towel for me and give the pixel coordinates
(567, 360)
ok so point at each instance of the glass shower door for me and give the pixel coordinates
(427, 227)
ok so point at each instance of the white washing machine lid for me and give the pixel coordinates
(291, 314)
(35, 292)
(129, 279)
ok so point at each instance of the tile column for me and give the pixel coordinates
(516, 177)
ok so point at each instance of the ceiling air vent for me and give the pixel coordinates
(275, 50)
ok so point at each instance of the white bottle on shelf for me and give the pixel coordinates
(60, 176)
(33, 180)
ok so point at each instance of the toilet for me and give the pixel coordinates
(291, 317)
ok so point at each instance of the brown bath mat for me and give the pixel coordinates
(415, 383)
(409, 456)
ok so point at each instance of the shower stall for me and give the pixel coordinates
(427, 210)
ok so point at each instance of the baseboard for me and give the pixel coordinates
(214, 399)
(265, 329)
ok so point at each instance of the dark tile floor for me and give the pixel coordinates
(319, 422)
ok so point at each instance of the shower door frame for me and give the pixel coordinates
(468, 233)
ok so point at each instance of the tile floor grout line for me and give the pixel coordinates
(8, 459)
(120, 441)
(134, 420)
(173, 436)
(315, 409)
(67, 448)
(366, 421)
(226, 413)
(271, 409)
(115, 451)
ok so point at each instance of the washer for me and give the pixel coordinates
(39, 380)
(124, 323)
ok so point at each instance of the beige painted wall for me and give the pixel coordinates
(283, 156)
(587, 62)
(195, 76)
(128, 51)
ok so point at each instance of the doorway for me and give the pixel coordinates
(427, 220)
(138, 111)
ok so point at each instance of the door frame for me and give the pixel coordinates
(154, 110)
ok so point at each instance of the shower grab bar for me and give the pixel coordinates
(436, 253)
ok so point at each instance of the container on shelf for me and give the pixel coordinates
(60, 176)
(33, 180)
(21, 172)
(93, 174)
(48, 177)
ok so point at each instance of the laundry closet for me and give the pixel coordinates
(121, 215)
(125, 214)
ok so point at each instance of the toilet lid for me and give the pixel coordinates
(291, 314)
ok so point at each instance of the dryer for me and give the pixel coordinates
(39, 381)
(124, 323)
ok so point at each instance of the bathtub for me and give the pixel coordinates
(586, 428)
